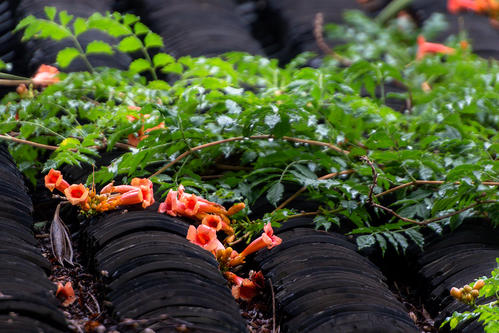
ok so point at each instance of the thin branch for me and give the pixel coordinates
(370, 199)
(31, 143)
(5, 82)
(304, 188)
(321, 43)
(241, 138)
(426, 182)
(434, 219)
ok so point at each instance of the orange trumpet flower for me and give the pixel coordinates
(76, 194)
(54, 180)
(66, 292)
(425, 48)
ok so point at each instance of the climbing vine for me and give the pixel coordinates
(242, 128)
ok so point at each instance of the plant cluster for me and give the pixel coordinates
(240, 127)
(485, 312)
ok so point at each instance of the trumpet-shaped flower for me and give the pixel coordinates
(45, 75)
(145, 186)
(213, 221)
(425, 48)
(455, 6)
(244, 289)
(130, 198)
(54, 180)
(66, 292)
(205, 237)
(76, 194)
(267, 239)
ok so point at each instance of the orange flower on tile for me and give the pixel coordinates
(45, 75)
(76, 194)
(54, 180)
(205, 237)
(66, 293)
(425, 48)
(267, 239)
(145, 186)
(244, 289)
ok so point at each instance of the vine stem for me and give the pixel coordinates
(31, 143)
(370, 199)
(253, 137)
(304, 188)
(49, 147)
(6, 82)
(321, 43)
(426, 182)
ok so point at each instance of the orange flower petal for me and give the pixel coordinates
(76, 194)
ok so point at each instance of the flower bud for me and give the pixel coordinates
(467, 288)
(456, 293)
(475, 293)
(479, 284)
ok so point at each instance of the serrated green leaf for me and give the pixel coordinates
(401, 240)
(130, 44)
(65, 18)
(416, 237)
(153, 40)
(26, 130)
(162, 59)
(129, 19)
(108, 25)
(174, 67)
(140, 29)
(79, 26)
(274, 195)
(98, 46)
(382, 243)
(50, 12)
(66, 56)
(139, 65)
(365, 241)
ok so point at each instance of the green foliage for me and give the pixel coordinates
(447, 134)
(488, 313)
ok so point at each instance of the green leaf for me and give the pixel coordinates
(382, 243)
(98, 46)
(153, 40)
(130, 44)
(174, 67)
(66, 56)
(140, 29)
(401, 240)
(416, 237)
(162, 59)
(65, 18)
(79, 26)
(365, 241)
(108, 25)
(274, 195)
(26, 130)
(139, 65)
(129, 19)
(50, 12)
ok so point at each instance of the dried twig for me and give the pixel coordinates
(370, 200)
(242, 138)
(273, 305)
